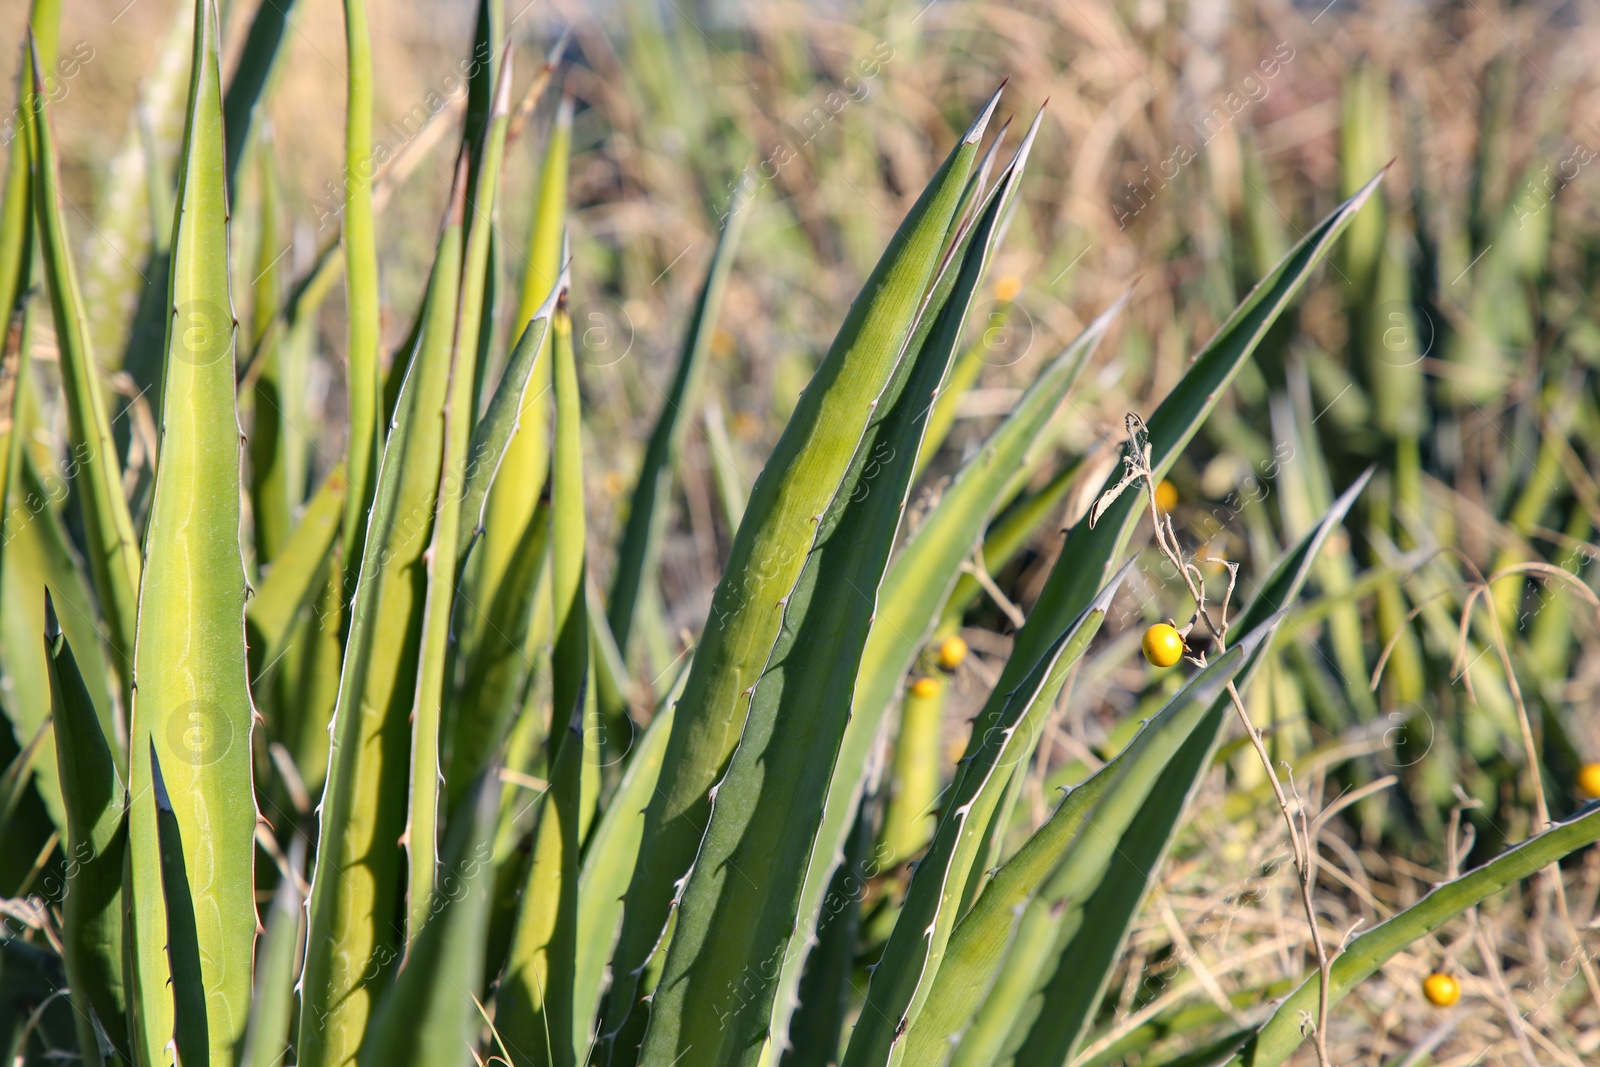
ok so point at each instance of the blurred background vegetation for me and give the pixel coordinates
(1452, 341)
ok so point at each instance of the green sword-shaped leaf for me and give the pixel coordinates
(769, 550)
(192, 716)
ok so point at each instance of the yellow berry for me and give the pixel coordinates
(1006, 288)
(1166, 496)
(1163, 645)
(1441, 990)
(951, 652)
(925, 688)
(1589, 779)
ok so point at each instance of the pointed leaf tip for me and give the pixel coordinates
(975, 131)
(986, 161)
(1021, 158)
(1355, 203)
(502, 95)
(157, 782)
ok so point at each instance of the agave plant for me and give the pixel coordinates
(395, 705)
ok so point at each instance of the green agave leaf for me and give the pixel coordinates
(1276, 1039)
(968, 364)
(95, 846)
(37, 555)
(360, 249)
(778, 528)
(572, 682)
(527, 758)
(493, 433)
(994, 956)
(112, 548)
(350, 949)
(924, 574)
(974, 195)
(993, 847)
(998, 926)
(526, 462)
(534, 1016)
(1090, 552)
(612, 685)
(272, 494)
(738, 909)
(903, 979)
(16, 229)
(258, 65)
(641, 538)
(1084, 863)
(498, 671)
(1076, 984)
(35, 550)
(16, 207)
(488, 37)
(192, 714)
(488, 119)
(1101, 922)
(963, 376)
(295, 358)
(608, 863)
(293, 581)
(498, 662)
(277, 962)
(996, 474)
(434, 660)
(1085, 558)
(913, 591)
(26, 701)
(825, 987)
(190, 1042)
(430, 1015)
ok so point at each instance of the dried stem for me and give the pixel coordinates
(1139, 468)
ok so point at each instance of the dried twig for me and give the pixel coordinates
(1138, 467)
